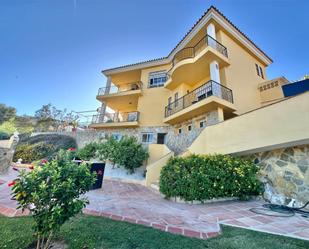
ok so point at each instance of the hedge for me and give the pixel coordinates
(206, 177)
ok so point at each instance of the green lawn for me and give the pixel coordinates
(89, 232)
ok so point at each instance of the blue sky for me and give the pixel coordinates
(52, 51)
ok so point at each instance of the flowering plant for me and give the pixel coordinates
(52, 194)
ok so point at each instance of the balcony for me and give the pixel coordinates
(121, 97)
(115, 120)
(191, 64)
(207, 97)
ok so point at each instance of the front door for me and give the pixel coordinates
(161, 138)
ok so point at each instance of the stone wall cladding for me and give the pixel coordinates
(7, 153)
(178, 143)
(285, 173)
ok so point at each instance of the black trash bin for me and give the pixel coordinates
(99, 169)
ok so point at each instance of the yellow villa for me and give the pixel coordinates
(213, 74)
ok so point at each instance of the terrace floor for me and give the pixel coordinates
(138, 204)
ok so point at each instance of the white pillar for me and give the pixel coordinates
(102, 113)
(108, 85)
(211, 31)
(215, 76)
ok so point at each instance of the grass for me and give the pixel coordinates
(88, 232)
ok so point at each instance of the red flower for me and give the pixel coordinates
(12, 183)
(71, 149)
(43, 161)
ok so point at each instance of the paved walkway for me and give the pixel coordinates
(137, 204)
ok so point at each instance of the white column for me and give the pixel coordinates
(215, 76)
(102, 112)
(211, 31)
(108, 85)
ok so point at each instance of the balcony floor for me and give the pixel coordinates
(199, 108)
(114, 125)
(195, 69)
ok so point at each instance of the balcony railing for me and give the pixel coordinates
(123, 88)
(191, 52)
(115, 117)
(211, 88)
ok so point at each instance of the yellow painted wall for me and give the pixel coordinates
(241, 75)
(271, 91)
(156, 151)
(159, 155)
(153, 100)
(284, 123)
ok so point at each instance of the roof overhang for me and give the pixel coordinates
(211, 14)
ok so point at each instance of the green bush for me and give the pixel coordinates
(53, 193)
(131, 154)
(212, 176)
(109, 150)
(88, 151)
(30, 153)
(4, 135)
(127, 153)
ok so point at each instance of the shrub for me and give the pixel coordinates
(127, 153)
(52, 194)
(212, 176)
(4, 135)
(131, 154)
(109, 150)
(30, 153)
(88, 151)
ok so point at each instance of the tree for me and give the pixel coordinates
(48, 115)
(52, 194)
(45, 112)
(6, 113)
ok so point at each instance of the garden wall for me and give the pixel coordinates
(7, 148)
(285, 173)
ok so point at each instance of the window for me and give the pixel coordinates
(176, 99)
(179, 131)
(147, 138)
(157, 79)
(261, 73)
(202, 124)
(189, 127)
(116, 136)
(257, 69)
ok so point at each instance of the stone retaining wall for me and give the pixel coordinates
(285, 173)
(7, 149)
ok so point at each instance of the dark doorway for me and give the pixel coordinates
(161, 138)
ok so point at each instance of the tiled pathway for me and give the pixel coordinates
(138, 204)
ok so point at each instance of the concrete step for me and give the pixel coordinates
(155, 185)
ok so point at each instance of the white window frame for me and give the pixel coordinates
(149, 137)
(157, 79)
